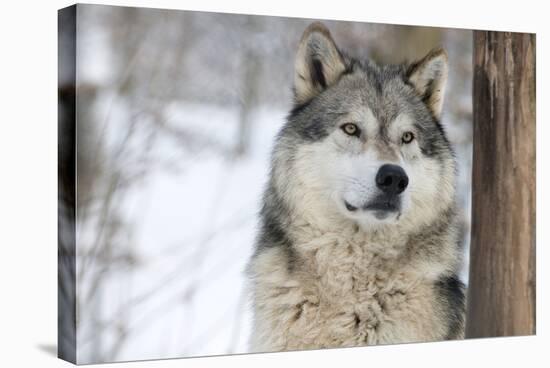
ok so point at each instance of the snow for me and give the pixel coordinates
(194, 236)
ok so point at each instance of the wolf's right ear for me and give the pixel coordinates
(318, 63)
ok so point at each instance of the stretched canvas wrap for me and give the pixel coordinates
(240, 183)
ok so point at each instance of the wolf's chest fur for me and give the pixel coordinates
(339, 294)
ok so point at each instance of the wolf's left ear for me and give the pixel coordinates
(318, 63)
(428, 77)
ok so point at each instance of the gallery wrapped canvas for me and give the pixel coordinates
(235, 183)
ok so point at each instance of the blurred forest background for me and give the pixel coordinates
(176, 114)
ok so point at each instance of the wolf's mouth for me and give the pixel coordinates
(390, 206)
(349, 207)
(379, 205)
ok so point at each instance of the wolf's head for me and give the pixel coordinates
(364, 142)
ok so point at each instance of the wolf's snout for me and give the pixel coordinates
(392, 179)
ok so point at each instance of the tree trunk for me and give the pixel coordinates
(501, 293)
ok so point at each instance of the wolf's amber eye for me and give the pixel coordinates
(351, 129)
(407, 137)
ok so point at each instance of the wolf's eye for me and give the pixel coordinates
(407, 137)
(351, 129)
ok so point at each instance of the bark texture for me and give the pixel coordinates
(501, 294)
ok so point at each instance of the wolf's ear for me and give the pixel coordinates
(318, 63)
(428, 77)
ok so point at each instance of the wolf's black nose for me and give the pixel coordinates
(392, 179)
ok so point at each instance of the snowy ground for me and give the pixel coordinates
(195, 232)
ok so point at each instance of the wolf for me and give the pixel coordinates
(359, 238)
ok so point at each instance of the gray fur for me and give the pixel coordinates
(321, 279)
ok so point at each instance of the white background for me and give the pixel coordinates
(28, 185)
